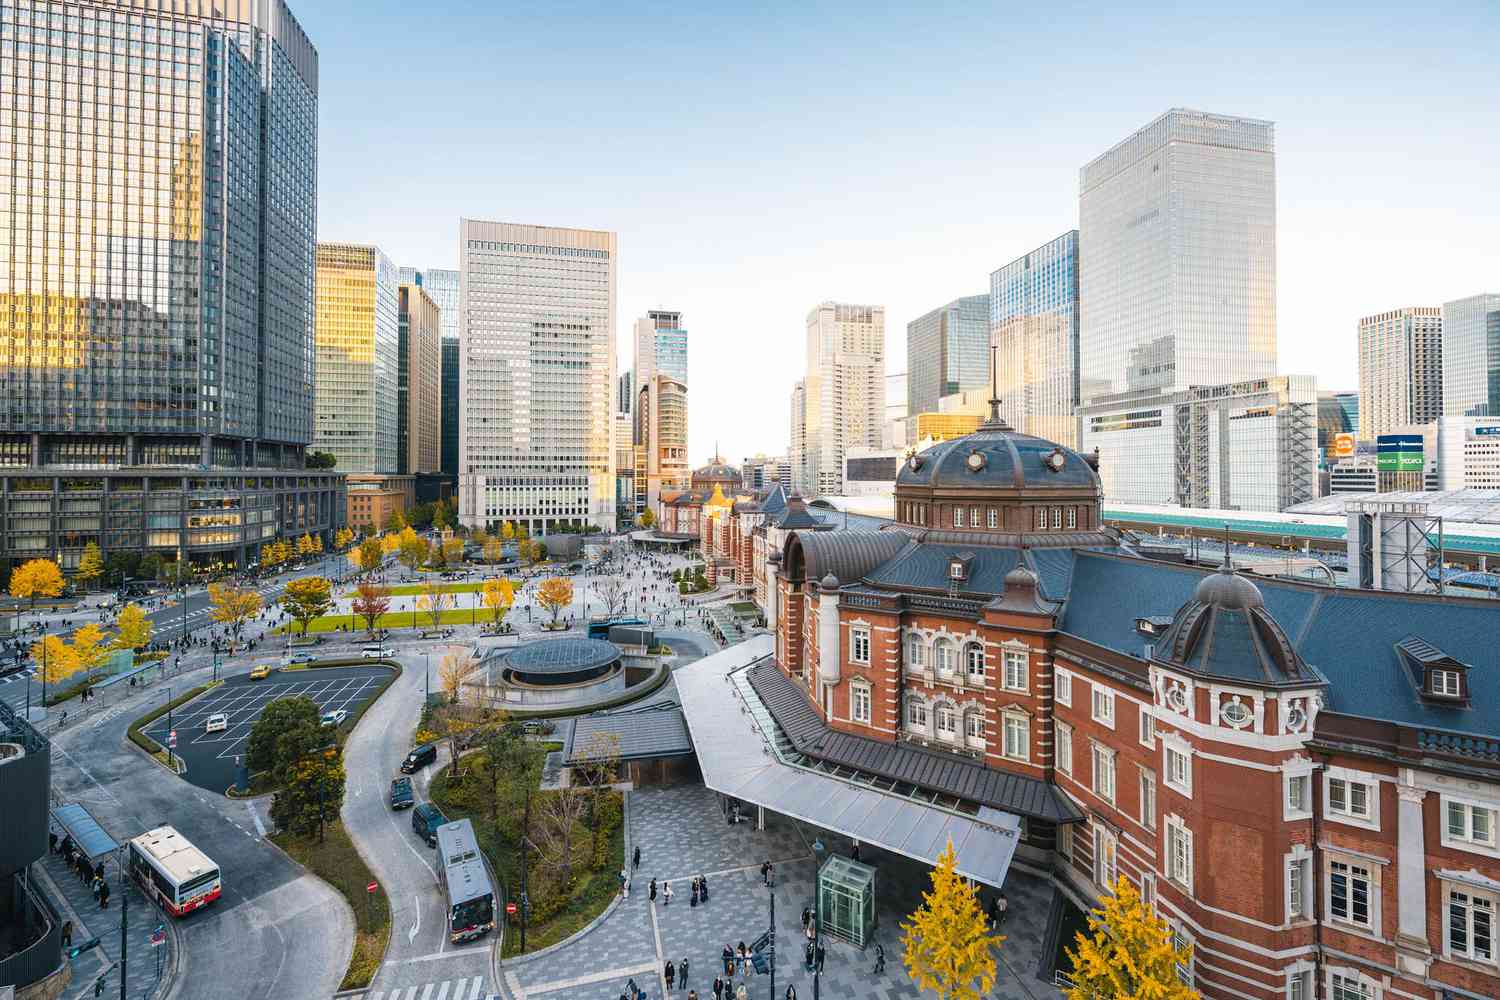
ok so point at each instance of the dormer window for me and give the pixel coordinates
(958, 567)
(1444, 683)
(1437, 676)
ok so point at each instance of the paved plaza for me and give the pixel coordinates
(681, 833)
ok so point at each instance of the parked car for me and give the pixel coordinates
(335, 717)
(216, 723)
(260, 671)
(419, 758)
(302, 657)
(437, 633)
(401, 795)
(425, 819)
(377, 652)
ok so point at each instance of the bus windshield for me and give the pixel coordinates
(473, 913)
(193, 887)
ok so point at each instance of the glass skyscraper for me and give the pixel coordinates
(1471, 356)
(1034, 325)
(947, 351)
(359, 358)
(537, 349)
(442, 287)
(158, 204)
(1177, 257)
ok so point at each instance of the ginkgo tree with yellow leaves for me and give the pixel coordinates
(1128, 953)
(135, 628)
(946, 943)
(497, 596)
(233, 606)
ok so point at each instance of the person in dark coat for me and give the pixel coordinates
(635, 859)
(103, 895)
(806, 916)
(728, 956)
(682, 969)
(653, 890)
(670, 973)
(818, 955)
(702, 888)
(718, 988)
(765, 871)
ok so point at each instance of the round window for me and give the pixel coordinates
(1296, 718)
(1235, 713)
(1177, 698)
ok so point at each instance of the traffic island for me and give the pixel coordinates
(336, 861)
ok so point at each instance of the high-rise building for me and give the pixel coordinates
(624, 465)
(451, 394)
(1471, 356)
(1034, 327)
(537, 354)
(1243, 446)
(159, 171)
(626, 395)
(893, 428)
(843, 389)
(1177, 257)
(419, 383)
(947, 351)
(359, 358)
(1400, 369)
(661, 347)
(797, 448)
(442, 287)
(661, 411)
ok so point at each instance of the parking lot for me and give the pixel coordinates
(211, 758)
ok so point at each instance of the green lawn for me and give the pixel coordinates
(337, 862)
(391, 620)
(412, 589)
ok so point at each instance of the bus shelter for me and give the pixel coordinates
(87, 835)
(846, 900)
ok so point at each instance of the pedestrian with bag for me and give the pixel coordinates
(670, 973)
(879, 958)
(666, 893)
(765, 871)
(728, 957)
(718, 988)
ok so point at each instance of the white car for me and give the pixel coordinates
(216, 723)
(377, 653)
(335, 717)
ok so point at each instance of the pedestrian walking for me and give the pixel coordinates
(682, 970)
(635, 859)
(879, 958)
(693, 903)
(703, 888)
(791, 992)
(622, 883)
(718, 988)
(728, 957)
(67, 932)
(666, 894)
(740, 992)
(653, 890)
(1003, 906)
(766, 868)
(806, 917)
(807, 956)
(818, 956)
(103, 895)
(670, 973)
(692, 995)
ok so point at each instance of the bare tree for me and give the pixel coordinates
(614, 592)
(560, 812)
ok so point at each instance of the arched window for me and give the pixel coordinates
(916, 714)
(974, 726)
(916, 651)
(947, 721)
(974, 661)
(947, 656)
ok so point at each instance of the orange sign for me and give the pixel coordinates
(1343, 446)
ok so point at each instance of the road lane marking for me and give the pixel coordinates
(411, 934)
(427, 992)
(442, 990)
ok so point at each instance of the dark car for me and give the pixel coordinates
(401, 796)
(425, 819)
(419, 758)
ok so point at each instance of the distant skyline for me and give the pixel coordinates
(757, 162)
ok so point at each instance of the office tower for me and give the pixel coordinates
(419, 409)
(537, 353)
(661, 347)
(893, 427)
(1400, 369)
(661, 411)
(1471, 356)
(624, 463)
(442, 287)
(947, 351)
(1034, 326)
(451, 394)
(359, 358)
(626, 394)
(843, 389)
(1177, 257)
(1242, 446)
(797, 447)
(157, 223)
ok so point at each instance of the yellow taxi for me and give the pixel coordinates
(261, 672)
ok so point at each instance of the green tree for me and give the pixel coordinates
(122, 565)
(1128, 952)
(312, 795)
(414, 549)
(135, 629)
(307, 598)
(396, 521)
(286, 731)
(320, 460)
(90, 565)
(946, 943)
(647, 519)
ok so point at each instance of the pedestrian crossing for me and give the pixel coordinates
(461, 988)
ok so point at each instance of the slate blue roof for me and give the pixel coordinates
(1054, 568)
(645, 731)
(925, 565)
(1349, 637)
(1011, 460)
(774, 501)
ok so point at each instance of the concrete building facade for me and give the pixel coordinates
(1400, 369)
(843, 390)
(537, 371)
(419, 386)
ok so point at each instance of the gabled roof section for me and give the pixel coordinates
(774, 502)
(941, 772)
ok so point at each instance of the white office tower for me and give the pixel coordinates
(1177, 257)
(843, 390)
(1471, 356)
(536, 367)
(1400, 369)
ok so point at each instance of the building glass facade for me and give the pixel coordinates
(1471, 356)
(450, 410)
(419, 383)
(158, 200)
(359, 358)
(1034, 326)
(537, 374)
(1400, 369)
(442, 287)
(1177, 256)
(947, 351)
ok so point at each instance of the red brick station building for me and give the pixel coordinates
(1303, 780)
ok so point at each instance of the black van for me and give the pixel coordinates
(420, 757)
(425, 819)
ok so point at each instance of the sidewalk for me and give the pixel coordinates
(79, 905)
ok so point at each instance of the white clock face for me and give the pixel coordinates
(1056, 460)
(976, 461)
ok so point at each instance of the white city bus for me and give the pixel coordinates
(174, 872)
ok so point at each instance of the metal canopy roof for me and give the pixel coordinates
(743, 753)
(86, 832)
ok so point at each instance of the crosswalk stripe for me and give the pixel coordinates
(442, 991)
(426, 993)
(474, 993)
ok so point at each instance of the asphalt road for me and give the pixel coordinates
(276, 933)
(419, 953)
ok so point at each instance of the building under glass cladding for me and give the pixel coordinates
(450, 411)
(1471, 356)
(419, 410)
(947, 351)
(1243, 446)
(1034, 327)
(359, 358)
(536, 366)
(1177, 257)
(158, 204)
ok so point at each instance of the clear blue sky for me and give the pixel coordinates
(757, 159)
